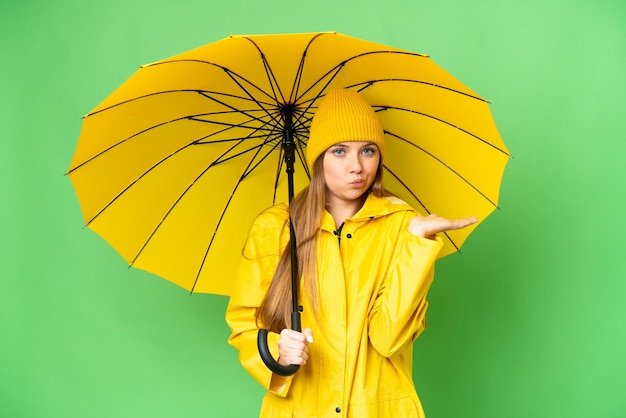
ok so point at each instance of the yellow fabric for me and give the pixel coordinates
(343, 116)
(372, 289)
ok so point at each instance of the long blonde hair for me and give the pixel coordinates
(306, 211)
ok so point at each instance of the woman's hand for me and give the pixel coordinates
(429, 226)
(293, 346)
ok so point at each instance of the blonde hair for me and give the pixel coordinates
(306, 211)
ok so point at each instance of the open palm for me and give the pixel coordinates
(429, 226)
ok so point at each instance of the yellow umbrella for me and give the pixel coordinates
(173, 166)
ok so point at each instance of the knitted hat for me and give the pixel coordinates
(343, 116)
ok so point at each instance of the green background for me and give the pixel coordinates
(529, 321)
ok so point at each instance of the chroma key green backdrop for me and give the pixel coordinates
(529, 321)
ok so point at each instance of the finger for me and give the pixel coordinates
(288, 347)
(288, 344)
(308, 334)
(294, 355)
(287, 360)
(452, 224)
(462, 223)
(293, 335)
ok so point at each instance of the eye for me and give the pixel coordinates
(369, 151)
(338, 151)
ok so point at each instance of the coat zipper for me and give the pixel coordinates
(337, 233)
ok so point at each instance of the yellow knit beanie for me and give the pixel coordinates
(343, 116)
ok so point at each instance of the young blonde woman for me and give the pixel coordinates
(366, 264)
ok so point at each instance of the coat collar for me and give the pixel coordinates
(374, 207)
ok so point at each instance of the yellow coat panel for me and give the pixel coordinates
(372, 286)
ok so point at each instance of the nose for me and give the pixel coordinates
(355, 164)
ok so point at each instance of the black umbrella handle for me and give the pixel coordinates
(266, 356)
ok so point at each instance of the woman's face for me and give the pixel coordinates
(349, 170)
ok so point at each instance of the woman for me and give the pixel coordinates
(366, 263)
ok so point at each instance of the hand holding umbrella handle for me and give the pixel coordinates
(269, 361)
(266, 356)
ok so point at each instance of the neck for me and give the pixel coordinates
(342, 210)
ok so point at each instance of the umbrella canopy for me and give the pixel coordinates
(174, 165)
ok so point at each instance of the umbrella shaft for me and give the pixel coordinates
(290, 156)
(289, 146)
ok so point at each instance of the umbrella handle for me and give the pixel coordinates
(269, 361)
(266, 356)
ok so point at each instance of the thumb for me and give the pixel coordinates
(308, 333)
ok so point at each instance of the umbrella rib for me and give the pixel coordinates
(355, 57)
(221, 218)
(334, 71)
(456, 173)
(271, 136)
(137, 134)
(298, 79)
(257, 102)
(235, 77)
(301, 153)
(406, 187)
(169, 211)
(232, 75)
(310, 102)
(230, 157)
(131, 184)
(342, 65)
(144, 96)
(370, 83)
(228, 125)
(295, 87)
(192, 143)
(218, 160)
(383, 108)
(279, 169)
(229, 72)
(268, 71)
